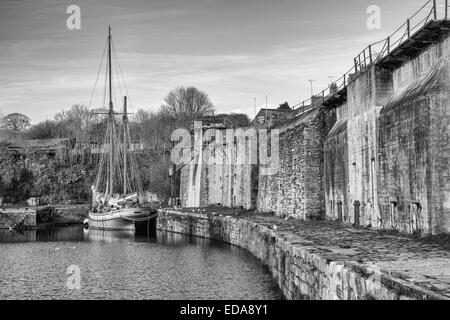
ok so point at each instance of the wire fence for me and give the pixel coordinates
(432, 10)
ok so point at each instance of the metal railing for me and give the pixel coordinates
(320, 98)
(373, 53)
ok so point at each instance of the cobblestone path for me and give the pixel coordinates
(419, 261)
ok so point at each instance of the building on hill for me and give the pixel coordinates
(268, 118)
(47, 146)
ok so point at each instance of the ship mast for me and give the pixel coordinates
(111, 121)
(109, 176)
(125, 144)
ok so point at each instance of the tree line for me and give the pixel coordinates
(151, 128)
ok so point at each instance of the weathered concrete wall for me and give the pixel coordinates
(184, 185)
(190, 181)
(384, 164)
(214, 184)
(367, 94)
(297, 188)
(191, 173)
(414, 146)
(221, 177)
(394, 131)
(336, 169)
(301, 272)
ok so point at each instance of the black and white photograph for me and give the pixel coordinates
(229, 155)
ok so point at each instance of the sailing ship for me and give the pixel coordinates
(118, 200)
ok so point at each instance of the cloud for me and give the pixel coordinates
(234, 50)
(232, 80)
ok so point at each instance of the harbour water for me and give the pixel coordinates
(42, 264)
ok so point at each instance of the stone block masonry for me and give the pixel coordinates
(312, 260)
(297, 188)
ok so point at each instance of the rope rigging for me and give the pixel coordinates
(118, 172)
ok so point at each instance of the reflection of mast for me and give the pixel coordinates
(125, 144)
(111, 121)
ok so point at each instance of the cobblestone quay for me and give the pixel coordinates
(326, 260)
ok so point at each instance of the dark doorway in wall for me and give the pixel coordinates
(339, 210)
(194, 174)
(254, 181)
(393, 214)
(415, 210)
(357, 207)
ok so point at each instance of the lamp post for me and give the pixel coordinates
(311, 82)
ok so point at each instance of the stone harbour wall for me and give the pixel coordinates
(300, 271)
(15, 217)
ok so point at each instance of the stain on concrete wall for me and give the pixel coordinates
(387, 157)
(336, 169)
(414, 146)
(379, 159)
(222, 177)
(366, 95)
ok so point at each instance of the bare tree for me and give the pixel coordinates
(77, 119)
(47, 129)
(16, 122)
(153, 128)
(3, 136)
(188, 103)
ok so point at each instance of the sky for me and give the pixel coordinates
(234, 50)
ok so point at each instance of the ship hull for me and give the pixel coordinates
(121, 219)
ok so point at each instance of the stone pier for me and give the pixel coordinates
(326, 260)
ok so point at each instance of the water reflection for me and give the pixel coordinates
(79, 234)
(17, 236)
(73, 233)
(127, 265)
(107, 235)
